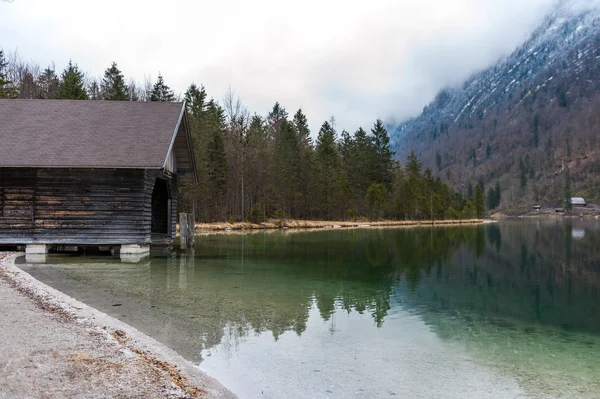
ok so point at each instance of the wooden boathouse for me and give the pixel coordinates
(92, 173)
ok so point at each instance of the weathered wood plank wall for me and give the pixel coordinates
(78, 206)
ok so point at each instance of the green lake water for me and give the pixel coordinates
(502, 310)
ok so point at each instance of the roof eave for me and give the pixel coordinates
(183, 118)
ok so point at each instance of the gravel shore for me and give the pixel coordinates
(53, 346)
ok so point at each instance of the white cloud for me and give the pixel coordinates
(356, 59)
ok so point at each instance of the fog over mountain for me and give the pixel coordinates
(353, 59)
(528, 122)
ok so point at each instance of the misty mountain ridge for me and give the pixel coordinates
(526, 120)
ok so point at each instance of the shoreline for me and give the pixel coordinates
(187, 381)
(297, 225)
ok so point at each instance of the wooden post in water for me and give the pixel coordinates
(186, 231)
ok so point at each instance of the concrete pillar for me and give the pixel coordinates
(37, 249)
(135, 249)
(134, 253)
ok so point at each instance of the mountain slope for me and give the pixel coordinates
(527, 122)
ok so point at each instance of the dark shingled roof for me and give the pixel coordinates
(97, 134)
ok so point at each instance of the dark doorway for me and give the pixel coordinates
(160, 208)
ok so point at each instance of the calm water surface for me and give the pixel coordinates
(503, 310)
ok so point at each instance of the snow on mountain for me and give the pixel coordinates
(566, 27)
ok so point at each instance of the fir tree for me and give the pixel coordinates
(275, 119)
(330, 182)
(305, 142)
(71, 84)
(479, 202)
(6, 86)
(287, 171)
(469, 211)
(491, 198)
(413, 165)
(357, 156)
(113, 85)
(301, 124)
(160, 91)
(376, 200)
(217, 161)
(195, 99)
(384, 156)
(413, 187)
(257, 161)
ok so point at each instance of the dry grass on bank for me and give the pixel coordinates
(275, 224)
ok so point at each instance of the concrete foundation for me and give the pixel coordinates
(135, 249)
(37, 249)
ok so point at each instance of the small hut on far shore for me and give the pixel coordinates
(578, 202)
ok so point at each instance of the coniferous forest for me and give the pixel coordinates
(253, 167)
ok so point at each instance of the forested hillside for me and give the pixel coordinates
(528, 125)
(253, 166)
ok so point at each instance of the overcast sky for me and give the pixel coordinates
(356, 59)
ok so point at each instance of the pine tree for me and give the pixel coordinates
(205, 117)
(305, 142)
(257, 157)
(301, 124)
(195, 99)
(216, 163)
(413, 165)
(71, 84)
(479, 202)
(113, 85)
(6, 86)
(287, 170)
(358, 154)
(384, 156)
(48, 84)
(469, 211)
(160, 91)
(275, 119)
(491, 198)
(330, 185)
(413, 188)
(376, 200)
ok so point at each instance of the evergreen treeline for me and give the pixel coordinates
(253, 167)
(19, 79)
